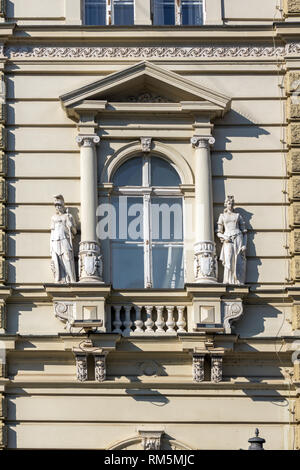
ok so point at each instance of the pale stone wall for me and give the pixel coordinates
(149, 381)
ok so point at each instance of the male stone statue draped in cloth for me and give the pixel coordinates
(63, 229)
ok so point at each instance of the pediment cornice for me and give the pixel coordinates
(109, 94)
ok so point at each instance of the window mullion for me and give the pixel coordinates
(147, 242)
(109, 12)
(178, 12)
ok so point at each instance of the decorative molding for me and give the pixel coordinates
(205, 262)
(3, 163)
(3, 216)
(146, 144)
(3, 435)
(2, 137)
(100, 366)
(293, 108)
(3, 270)
(151, 440)
(228, 51)
(3, 316)
(3, 113)
(294, 161)
(296, 317)
(294, 134)
(232, 312)
(147, 97)
(216, 368)
(295, 188)
(65, 312)
(3, 406)
(90, 263)
(198, 367)
(292, 7)
(81, 367)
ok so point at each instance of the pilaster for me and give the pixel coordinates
(293, 134)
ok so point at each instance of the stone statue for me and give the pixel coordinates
(63, 229)
(233, 235)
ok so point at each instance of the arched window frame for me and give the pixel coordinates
(148, 193)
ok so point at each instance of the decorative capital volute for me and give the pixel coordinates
(87, 140)
(199, 141)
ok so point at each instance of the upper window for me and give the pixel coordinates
(177, 12)
(109, 12)
(145, 227)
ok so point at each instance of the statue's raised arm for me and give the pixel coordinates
(233, 235)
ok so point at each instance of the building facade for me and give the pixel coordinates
(137, 312)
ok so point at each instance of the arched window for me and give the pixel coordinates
(146, 245)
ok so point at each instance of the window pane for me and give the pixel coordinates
(127, 266)
(192, 12)
(163, 174)
(166, 219)
(130, 173)
(123, 12)
(129, 213)
(164, 12)
(167, 267)
(95, 12)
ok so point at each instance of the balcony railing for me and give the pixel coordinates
(155, 320)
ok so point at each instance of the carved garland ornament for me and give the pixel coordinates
(147, 52)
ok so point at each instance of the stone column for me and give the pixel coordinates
(205, 260)
(90, 259)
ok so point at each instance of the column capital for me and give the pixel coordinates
(87, 140)
(202, 141)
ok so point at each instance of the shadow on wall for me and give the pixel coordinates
(253, 321)
(10, 9)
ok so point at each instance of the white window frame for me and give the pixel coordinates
(109, 12)
(147, 192)
(178, 11)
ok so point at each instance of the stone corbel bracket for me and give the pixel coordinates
(82, 352)
(232, 312)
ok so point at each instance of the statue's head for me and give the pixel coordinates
(229, 203)
(59, 204)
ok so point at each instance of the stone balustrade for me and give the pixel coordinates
(134, 320)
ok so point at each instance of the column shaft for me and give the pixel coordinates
(90, 260)
(205, 262)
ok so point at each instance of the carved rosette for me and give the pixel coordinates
(205, 262)
(90, 262)
(232, 312)
(198, 367)
(216, 369)
(100, 367)
(81, 367)
(146, 144)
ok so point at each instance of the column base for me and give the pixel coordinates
(90, 264)
(205, 263)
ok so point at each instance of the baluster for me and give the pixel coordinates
(149, 323)
(160, 321)
(170, 321)
(138, 322)
(127, 323)
(181, 323)
(117, 323)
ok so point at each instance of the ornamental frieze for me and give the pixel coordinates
(2, 316)
(296, 241)
(295, 188)
(294, 107)
(67, 52)
(297, 267)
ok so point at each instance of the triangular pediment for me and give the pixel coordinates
(145, 83)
